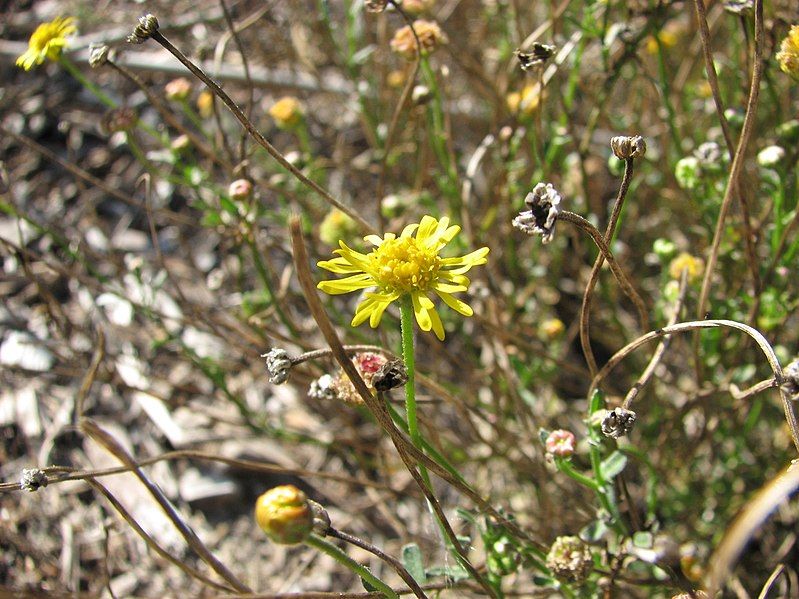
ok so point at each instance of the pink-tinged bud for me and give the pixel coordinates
(178, 89)
(560, 443)
(285, 515)
(240, 189)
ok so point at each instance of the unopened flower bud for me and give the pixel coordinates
(390, 375)
(240, 190)
(618, 422)
(570, 559)
(287, 112)
(178, 89)
(32, 479)
(285, 514)
(552, 328)
(148, 25)
(560, 443)
(278, 365)
(627, 147)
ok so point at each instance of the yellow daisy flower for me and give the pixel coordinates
(47, 41)
(402, 266)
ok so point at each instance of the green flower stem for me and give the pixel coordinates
(406, 324)
(439, 133)
(345, 560)
(565, 466)
(76, 73)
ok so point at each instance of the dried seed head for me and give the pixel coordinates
(790, 381)
(709, 154)
(119, 119)
(390, 375)
(98, 55)
(148, 25)
(570, 559)
(537, 55)
(375, 5)
(544, 206)
(321, 519)
(278, 364)
(618, 422)
(32, 479)
(626, 147)
(323, 388)
(285, 514)
(430, 38)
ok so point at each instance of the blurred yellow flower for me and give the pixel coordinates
(552, 328)
(666, 38)
(695, 266)
(405, 266)
(47, 41)
(430, 38)
(287, 112)
(205, 104)
(788, 56)
(525, 102)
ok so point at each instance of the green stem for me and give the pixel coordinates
(76, 73)
(566, 467)
(406, 324)
(345, 560)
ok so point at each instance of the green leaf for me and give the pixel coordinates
(613, 465)
(228, 206)
(643, 539)
(412, 560)
(594, 532)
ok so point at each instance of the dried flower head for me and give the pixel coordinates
(544, 206)
(408, 266)
(32, 479)
(536, 56)
(560, 443)
(119, 119)
(525, 102)
(570, 559)
(390, 375)
(709, 155)
(788, 56)
(430, 38)
(278, 365)
(790, 381)
(285, 515)
(323, 388)
(694, 265)
(375, 5)
(98, 55)
(618, 422)
(178, 89)
(739, 7)
(148, 25)
(626, 147)
(47, 41)
(696, 595)
(287, 112)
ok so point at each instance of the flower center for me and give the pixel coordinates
(403, 265)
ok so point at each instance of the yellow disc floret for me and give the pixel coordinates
(403, 265)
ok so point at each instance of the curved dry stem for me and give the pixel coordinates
(735, 172)
(258, 136)
(763, 344)
(753, 390)
(113, 447)
(661, 348)
(585, 309)
(747, 524)
(618, 273)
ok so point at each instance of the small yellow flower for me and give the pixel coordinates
(430, 38)
(285, 515)
(788, 56)
(47, 41)
(403, 266)
(552, 328)
(695, 266)
(336, 225)
(205, 104)
(666, 38)
(287, 112)
(525, 102)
